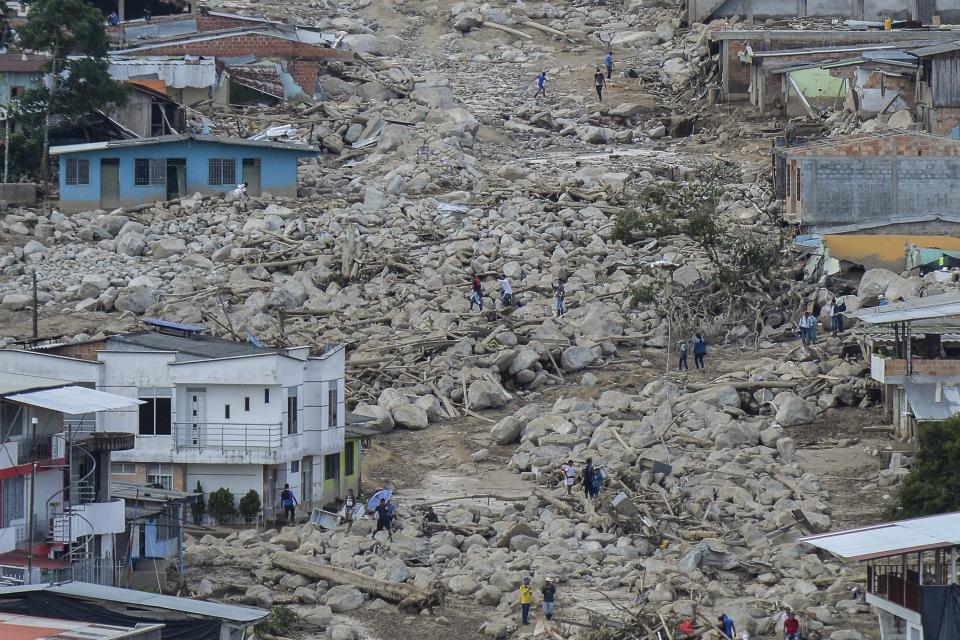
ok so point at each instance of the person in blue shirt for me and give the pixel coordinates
(729, 629)
(699, 351)
(541, 85)
(289, 503)
(608, 63)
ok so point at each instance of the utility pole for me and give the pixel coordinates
(36, 332)
(28, 579)
(6, 145)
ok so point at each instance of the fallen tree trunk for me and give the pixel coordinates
(410, 598)
(505, 29)
(745, 385)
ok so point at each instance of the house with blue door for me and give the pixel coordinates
(126, 173)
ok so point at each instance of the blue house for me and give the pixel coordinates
(125, 173)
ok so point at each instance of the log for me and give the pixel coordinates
(745, 385)
(514, 32)
(545, 29)
(462, 529)
(409, 598)
(282, 263)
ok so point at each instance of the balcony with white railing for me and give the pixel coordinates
(94, 518)
(227, 438)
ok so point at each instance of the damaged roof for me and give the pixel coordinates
(113, 144)
(264, 78)
(324, 50)
(22, 62)
(176, 72)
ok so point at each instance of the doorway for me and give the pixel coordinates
(176, 178)
(109, 183)
(306, 483)
(251, 175)
(197, 412)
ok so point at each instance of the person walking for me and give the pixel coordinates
(477, 297)
(805, 324)
(526, 599)
(782, 619)
(608, 63)
(349, 503)
(599, 83)
(507, 291)
(682, 351)
(729, 628)
(561, 293)
(383, 519)
(699, 351)
(541, 85)
(836, 316)
(586, 477)
(569, 476)
(549, 597)
(289, 503)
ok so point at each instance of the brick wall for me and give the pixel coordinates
(923, 367)
(207, 22)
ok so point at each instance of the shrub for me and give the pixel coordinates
(198, 507)
(281, 621)
(220, 505)
(933, 484)
(250, 505)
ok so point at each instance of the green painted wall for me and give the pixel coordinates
(818, 83)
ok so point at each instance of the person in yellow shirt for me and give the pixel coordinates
(526, 599)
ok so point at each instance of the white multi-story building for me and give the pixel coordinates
(218, 412)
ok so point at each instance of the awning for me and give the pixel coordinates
(75, 400)
(932, 401)
(20, 382)
(891, 539)
(940, 306)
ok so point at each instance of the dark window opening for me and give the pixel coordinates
(246, 404)
(331, 466)
(78, 171)
(226, 412)
(348, 462)
(155, 417)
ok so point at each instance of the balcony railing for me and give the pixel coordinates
(222, 436)
(890, 582)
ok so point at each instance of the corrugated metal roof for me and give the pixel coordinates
(936, 49)
(20, 382)
(75, 400)
(874, 223)
(892, 538)
(89, 591)
(197, 73)
(139, 142)
(927, 405)
(264, 78)
(282, 32)
(941, 306)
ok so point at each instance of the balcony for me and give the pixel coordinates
(227, 437)
(902, 587)
(94, 518)
(894, 370)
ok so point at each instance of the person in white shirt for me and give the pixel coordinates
(569, 476)
(806, 325)
(507, 291)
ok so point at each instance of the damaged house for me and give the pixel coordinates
(186, 79)
(923, 11)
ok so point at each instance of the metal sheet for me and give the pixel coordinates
(922, 398)
(88, 591)
(891, 539)
(178, 73)
(942, 306)
(75, 400)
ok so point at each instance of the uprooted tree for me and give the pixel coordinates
(71, 32)
(747, 273)
(933, 484)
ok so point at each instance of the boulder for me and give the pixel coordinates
(343, 632)
(463, 585)
(486, 394)
(507, 430)
(343, 598)
(382, 419)
(15, 301)
(320, 616)
(168, 247)
(875, 283)
(410, 416)
(792, 410)
(576, 358)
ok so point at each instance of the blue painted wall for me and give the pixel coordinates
(12, 79)
(278, 171)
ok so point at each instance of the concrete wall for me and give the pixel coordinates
(238, 478)
(18, 192)
(876, 10)
(278, 172)
(849, 190)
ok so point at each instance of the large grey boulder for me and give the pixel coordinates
(410, 416)
(792, 410)
(875, 283)
(168, 247)
(486, 394)
(15, 301)
(507, 430)
(343, 598)
(136, 299)
(576, 358)
(320, 616)
(463, 585)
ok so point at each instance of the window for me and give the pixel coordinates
(246, 404)
(266, 396)
(295, 466)
(123, 468)
(226, 412)
(155, 412)
(331, 466)
(348, 453)
(332, 404)
(798, 184)
(222, 171)
(149, 171)
(292, 410)
(13, 500)
(11, 420)
(160, 474)
(78, 171)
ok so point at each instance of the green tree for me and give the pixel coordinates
(933, 484)
(250, 505)
(220, 505)
(198, 506)
(73, 34)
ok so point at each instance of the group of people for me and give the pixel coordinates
(699, 352)
(549, 594)
(808, 322)
(599, 80)
(506, 294)
(787, 624)
(590, 477)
